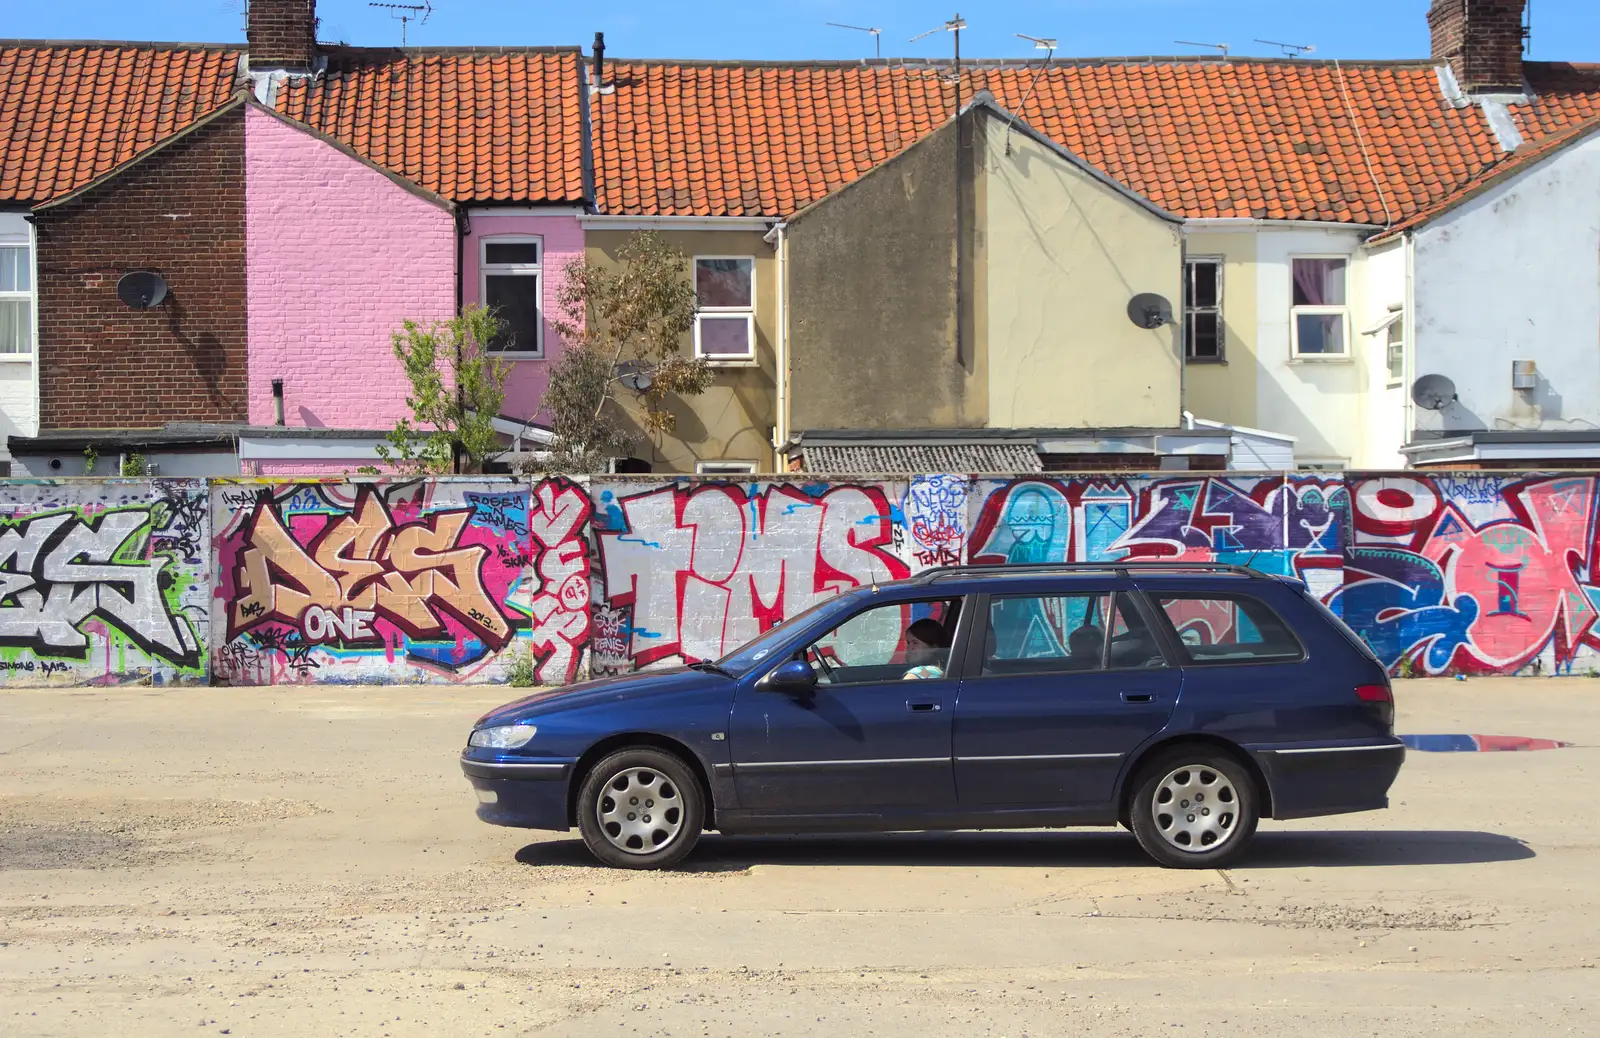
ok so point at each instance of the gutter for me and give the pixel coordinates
(779, 239)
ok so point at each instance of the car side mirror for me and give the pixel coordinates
(794, 677)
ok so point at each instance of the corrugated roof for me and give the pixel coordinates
(918, 459)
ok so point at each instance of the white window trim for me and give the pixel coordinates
(1311, 311)
(724, 468)
(730, 360)
(1189, 310)
(31, 297)
(533, 270)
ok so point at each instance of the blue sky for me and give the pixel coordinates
(785, 29)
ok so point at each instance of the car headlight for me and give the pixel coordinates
(503, 736)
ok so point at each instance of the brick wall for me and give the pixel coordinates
(180, 213)
(1482, 40)
(282, 33)
(340, 256)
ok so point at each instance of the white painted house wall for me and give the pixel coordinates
(1514, 274)
(19, 383)
(1322, 402)
(1385, 288)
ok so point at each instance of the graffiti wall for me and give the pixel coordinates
(478, 579)
(397, 580)
(104, 582)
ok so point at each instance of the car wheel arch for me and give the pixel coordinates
(1130, 773)
(612, 743)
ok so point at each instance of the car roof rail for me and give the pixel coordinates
(1121, 569)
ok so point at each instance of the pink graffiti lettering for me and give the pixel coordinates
(558, 520)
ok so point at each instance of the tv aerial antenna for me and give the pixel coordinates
(1290, 50)
(1223, 47)
(1046, 44)
(877, 36)
(954, 26)
(407, 13)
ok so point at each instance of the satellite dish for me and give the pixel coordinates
(1148, 310)
(142, 289)
(635, 375)
(1433, 392)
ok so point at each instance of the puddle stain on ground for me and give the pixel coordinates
(1478, 743)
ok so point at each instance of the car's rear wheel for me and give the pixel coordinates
(640, 808)
(1194, 807)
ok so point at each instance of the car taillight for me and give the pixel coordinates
(1382, 699)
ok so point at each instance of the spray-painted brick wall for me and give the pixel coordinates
(383, 254)
(455, 580)
(104, 582)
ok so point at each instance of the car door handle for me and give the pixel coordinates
(1137, 697)
(923, 707)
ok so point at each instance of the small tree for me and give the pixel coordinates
(632, 315)
(457, 388)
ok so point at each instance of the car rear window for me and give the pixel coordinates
(1224, 629)
(1343, 628)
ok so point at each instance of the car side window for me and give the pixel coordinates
(1134, 646)
(1047, 634)
(901, 641)
(1220, 629)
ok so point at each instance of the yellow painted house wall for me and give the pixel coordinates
(733, 419)
(1225, 391)
(1064, 253)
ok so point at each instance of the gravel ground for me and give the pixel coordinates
(306, 862)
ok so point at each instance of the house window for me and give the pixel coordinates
(1396, 351)
(1320, 324)
(724, 468)
(1202, 309)
(512, 271)
(725, 326)
(16, 302)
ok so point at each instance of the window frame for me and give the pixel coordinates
(725, 468)
(955, 662)
(1160, 630)
(1395, 350)
(527, 270)
(1186, 659)
(29, 297)
(724, 312)
(1342, 311)
(1189, 310)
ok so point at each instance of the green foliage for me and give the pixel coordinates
(520, 672)
(91, 458)
(457, 388)
(635, 312)
(135, 465)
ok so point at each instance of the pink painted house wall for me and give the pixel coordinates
(563, 242)
(339, 254)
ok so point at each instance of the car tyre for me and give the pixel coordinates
(640, 808)
(1194, 807)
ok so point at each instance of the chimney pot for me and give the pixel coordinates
(281, 33)
(1482, 40)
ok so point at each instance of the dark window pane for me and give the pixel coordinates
(723, 282)
(724, 336)
(1133, 645)
(1205, 335)
(1320, 333)
(1205, 284)
(514, 298)
(1047, 635)
(1319, 282)
(518, 252)
(1229, 629)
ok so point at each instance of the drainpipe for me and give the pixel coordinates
(463, 228)
(778, 238)
(1408, 331)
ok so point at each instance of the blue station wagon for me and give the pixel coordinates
(1183, 701)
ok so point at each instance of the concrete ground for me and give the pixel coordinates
(306, 862)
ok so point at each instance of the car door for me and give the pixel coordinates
(872, 735)
(1063, 685)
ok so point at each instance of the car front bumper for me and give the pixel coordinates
(524, 794)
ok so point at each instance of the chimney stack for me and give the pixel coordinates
(282, 34)
(1482, 40)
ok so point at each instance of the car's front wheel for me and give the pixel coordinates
(1194, 807)
(640, 808)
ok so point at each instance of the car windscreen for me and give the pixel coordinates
(756, 651)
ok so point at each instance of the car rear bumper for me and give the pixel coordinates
(521, 794)
(1334, 779)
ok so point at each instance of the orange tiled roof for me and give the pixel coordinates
(472, 124)
(1203, 138)
(70, 112)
